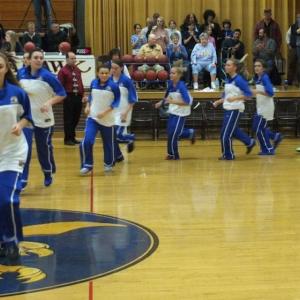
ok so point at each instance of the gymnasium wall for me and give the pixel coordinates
(15, 14)
(108, 23)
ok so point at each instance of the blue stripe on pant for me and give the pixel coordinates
(121, 137)
(10, 218)
(260, 127)
(229, 130)
(86, 146)
(118, 153)
(44, 148)
(174, 128)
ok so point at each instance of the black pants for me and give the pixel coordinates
(72, 111)
(293, 65)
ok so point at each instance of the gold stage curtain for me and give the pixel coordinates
(109, 23)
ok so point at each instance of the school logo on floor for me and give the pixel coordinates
(63, 247)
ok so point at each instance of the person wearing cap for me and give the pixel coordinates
(271, 28)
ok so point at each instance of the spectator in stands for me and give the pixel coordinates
(146, 30)
(11, 43)
(73, 38)
(150, 22)
(270, 27)
(190, 19)
(190, 38)
(176, 51)
(46, 5)
(211, 39)
(233, 47)
(204, 57)
(293, 41)
(178, 55)
(161, 34)
(2, 35)
(226, 32)
(151, 49)
(31, 36)
(265, 48)
(173, 29)
(137, 39)
(209, 17)
(55, 37)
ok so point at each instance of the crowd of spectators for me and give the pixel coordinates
(184, 45)
(205, 46)
(47, 40)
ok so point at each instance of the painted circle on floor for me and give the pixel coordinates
(64, 247)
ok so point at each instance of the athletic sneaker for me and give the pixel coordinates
(249, 148)
(130, 146)
(266, 153)
(277, 140)
(193, 137)
(298, 149)
(23, 185)
(119, 159)
(195, 86)
(85, 170)
(2, 251)
(10, 251)
(48, 180)
(108, 169)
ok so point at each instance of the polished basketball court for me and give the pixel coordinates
(225, 229)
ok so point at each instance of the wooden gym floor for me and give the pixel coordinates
(227, 230)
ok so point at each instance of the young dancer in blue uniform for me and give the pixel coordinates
(265, 110)
(124, 111)
(180, 101)
(15, 115)
(103, 100)
(44, 91)
(235, 94)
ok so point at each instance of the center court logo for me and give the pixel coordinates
(63, 247)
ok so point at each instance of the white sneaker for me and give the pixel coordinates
(195, 85)
(107, 169)
(85, 170)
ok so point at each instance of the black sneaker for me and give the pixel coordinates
(277, 140)
(76, 142)
(252, 145)
(130, 147)
(2, 251)
(12, 252)
(193, 138)
(69, 143)
(119, 159)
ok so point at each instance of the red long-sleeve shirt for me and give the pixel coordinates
(66, 76)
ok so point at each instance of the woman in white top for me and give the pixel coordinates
(265, 110)
(235, 94)
(161, 34)
(15, 114)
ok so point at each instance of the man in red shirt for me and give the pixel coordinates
(70, 77)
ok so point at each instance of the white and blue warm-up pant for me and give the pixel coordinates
(10, 218)
(122, 136)
(86, 145)
(44, 148)
(263, 134)
(175, 128)
(230, 129)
